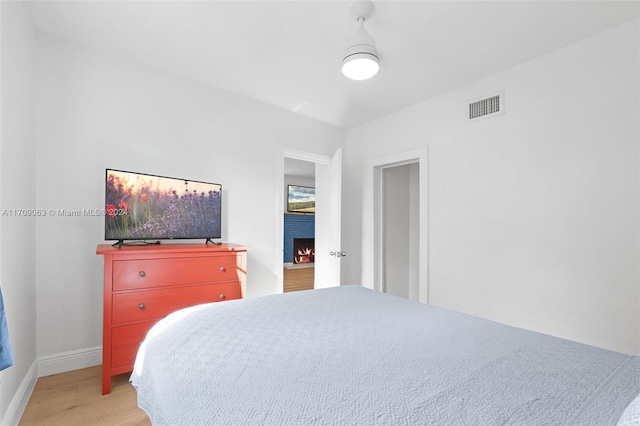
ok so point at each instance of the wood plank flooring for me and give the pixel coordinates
(75, 398)
(298, 279)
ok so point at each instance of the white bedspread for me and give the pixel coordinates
(353, 356)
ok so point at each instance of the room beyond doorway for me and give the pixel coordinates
(299, 230)
(327, 217)
(400, 228)
(400, 232)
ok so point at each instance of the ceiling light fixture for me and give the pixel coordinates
(361, 60)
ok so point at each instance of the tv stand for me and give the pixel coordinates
(121, 243)
(209, 240)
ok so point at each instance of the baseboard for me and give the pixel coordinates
(21, 397)
(46, 366)
(68, 361)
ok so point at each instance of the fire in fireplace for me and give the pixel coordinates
(303, 251)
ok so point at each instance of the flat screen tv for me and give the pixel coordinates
(301, 199)
(141, 206)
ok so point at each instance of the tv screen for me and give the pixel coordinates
(141, 206)
(301, 199)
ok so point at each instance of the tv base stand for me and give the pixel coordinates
(121, 243)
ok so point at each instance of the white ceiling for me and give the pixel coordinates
(288, 53)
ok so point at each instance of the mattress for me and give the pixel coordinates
(354, 356)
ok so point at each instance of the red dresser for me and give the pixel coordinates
(143, 284)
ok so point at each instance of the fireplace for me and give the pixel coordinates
(303, 250)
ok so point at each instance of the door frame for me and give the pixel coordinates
(376, 167)
(294, 154)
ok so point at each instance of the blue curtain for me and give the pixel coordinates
(6, 359)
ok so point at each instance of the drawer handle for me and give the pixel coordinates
(222, 297)
(142, 274)
(141, 306)
(223, 269)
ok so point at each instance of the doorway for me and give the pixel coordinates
(400, 240)
(400, 226)
(299, 225)
(327, 250)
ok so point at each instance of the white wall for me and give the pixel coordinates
(95, 112)
(533, 215)
(400, 230)
(17, 191)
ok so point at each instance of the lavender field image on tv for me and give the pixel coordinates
(140, 206)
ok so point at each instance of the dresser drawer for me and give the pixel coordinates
(144, 273)
(126, 341)
(156, 304)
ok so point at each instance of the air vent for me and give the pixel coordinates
(487, 107)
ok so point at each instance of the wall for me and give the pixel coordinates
(396, 230)
(97, 111)
(17, 191)
(533, 215)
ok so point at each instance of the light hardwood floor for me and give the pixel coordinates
(298, 279)
(75, 398)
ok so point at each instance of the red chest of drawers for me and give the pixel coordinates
(143, 284)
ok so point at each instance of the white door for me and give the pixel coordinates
(328, 251)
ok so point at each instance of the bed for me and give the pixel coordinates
(353, 356)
